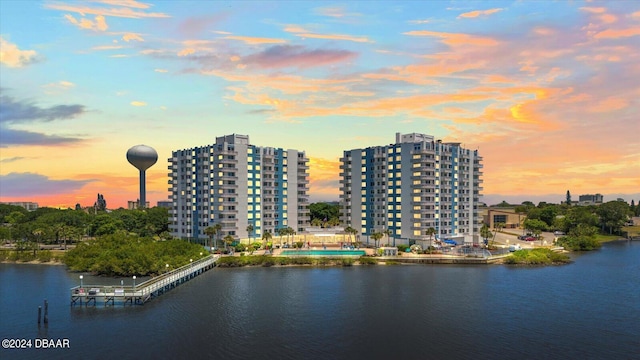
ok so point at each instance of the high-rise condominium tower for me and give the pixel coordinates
(236, 184)
(411, 186)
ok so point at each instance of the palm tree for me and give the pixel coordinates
(60, 230)
(249, 232)
(266, 236)
(349, 230)
(37, 233)
(218, 228)
(430, 231)
(210, 231)
(228, 240)
(485, 233)
(376, 236)
(497, 227)
(279, 233)
(388, 233)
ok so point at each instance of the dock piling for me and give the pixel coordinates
(46, 311)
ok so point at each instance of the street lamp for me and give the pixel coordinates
(167, 267)
(134, 282)
(81, 281)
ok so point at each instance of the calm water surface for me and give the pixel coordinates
(589, 309)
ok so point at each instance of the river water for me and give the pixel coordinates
(589, 309)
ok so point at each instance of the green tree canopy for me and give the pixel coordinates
(324, 211)
(613, 215)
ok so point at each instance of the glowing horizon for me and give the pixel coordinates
(548, 92)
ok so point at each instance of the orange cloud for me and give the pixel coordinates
(594, 10)
(474, 14)
(126, 12)
(100, 23)
(616, 34)
(187, 51)
(128, 3)
(455, 39)
(132, 36)
(57, 87)
(324, 178)
(12, 56)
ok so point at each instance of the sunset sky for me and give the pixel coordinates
(547, 91)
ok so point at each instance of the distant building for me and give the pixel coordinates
(165, 204)
(132, 205)
(508, 216)
(101, 203)
(590, 199)
(411, 186)
(31, 206)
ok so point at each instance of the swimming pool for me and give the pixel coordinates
(322, 253)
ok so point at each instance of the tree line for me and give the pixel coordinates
(580, 224)
(61, 226)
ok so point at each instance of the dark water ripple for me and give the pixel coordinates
(586, 310)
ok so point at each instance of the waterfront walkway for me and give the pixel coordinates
(139, 294)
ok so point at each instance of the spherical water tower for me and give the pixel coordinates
(142, 157)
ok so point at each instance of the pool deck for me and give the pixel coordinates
(278, 252)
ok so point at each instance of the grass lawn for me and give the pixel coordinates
(605, 238)
(632, 230)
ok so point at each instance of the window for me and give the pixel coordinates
(500, 218)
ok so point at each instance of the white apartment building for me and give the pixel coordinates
(410, 186)
(236, 184)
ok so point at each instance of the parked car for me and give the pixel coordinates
(557, 232)
(522, 237)
(530, 238)
(515, 247)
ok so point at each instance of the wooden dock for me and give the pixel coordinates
(110, 295)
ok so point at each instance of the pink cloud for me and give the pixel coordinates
(477, 13)
(455, 39)
(619, 33)
(255, 40)
(194, 26)
(297, 56)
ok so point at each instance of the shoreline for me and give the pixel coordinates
(392, 261)
(33, 262)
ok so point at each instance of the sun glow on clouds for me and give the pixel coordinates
(132, 36)
(477, 13)
(99, 24)
(12, 56)
(541, 98)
